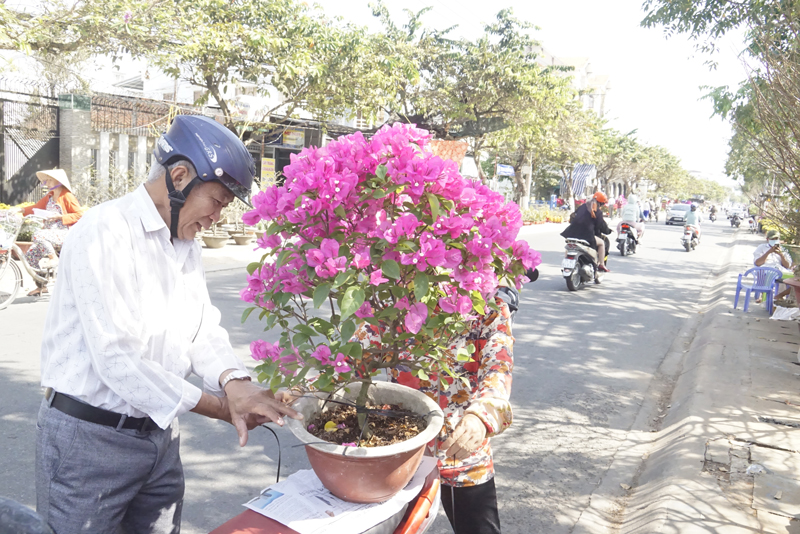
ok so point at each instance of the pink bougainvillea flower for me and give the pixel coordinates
(261, 350)
(365, 311)
(523, 252)
(456, 304)
(349, 444)
(340, 364)
(431, 253)
(402, 304)
(322, 354)
(251, 218)
(415, 317)
(360, 261)
(377, 278)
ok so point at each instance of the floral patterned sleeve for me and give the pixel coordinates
(490, 401)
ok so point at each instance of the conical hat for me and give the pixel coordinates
(57, 174)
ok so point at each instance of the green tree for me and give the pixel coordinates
(576, 135)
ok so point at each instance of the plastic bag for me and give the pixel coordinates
(784, 314)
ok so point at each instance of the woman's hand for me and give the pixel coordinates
(466, 439)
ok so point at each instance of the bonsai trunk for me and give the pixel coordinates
(361, 402)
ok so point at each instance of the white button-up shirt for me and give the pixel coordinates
(130, 316)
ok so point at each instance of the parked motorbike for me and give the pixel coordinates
(626, 240)
(579, 265)
(690, 239)
(736, 221)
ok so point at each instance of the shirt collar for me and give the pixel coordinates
(148, 214)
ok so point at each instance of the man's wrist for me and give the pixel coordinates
(231, 375)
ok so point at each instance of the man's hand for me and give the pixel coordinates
(466, 439)
(251, 405)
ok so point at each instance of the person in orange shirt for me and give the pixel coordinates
(65, 211)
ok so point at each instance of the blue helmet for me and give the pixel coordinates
(216, 153)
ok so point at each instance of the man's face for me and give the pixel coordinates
(202, 208)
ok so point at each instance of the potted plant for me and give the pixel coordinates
(25, 236)
(377, 232)
(216, 238)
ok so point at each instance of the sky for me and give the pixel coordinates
(656, 82)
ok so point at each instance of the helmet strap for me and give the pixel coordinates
(176, 200)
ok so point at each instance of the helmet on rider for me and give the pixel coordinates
(600, 198)
(216, 153)
(694, 206)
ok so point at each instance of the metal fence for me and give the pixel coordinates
(134, 116)
(29, 129)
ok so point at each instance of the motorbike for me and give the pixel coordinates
(579, 265)
(753, 225)
(712, 217)
(736, 221)
(626, 240)
(690, 239)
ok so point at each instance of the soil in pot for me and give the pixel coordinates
(390, 424)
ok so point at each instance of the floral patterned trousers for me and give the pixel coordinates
(44, 244)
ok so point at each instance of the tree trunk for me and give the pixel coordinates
(567, 174)
(519, 180)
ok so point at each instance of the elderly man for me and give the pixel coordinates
(771, 254)
(130, 319)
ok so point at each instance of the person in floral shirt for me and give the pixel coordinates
(473, 414)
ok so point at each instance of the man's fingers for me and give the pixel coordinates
(241, 428)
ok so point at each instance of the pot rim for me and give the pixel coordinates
(435, 418)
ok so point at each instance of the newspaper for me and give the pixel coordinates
(303, 504)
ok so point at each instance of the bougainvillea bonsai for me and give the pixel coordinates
(380, 231)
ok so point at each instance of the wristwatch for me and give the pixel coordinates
(235, 375)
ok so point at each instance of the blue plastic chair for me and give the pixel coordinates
(765, 280)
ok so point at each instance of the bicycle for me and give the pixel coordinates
(11, 255)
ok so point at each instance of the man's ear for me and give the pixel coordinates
(180, 177)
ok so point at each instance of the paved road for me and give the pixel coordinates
(583, 365)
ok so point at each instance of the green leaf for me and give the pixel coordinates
(247, 313)
(391, 269)
(340, 211)
(434, 202)
(274, 228)
(323, 382)
(351, 301)
(380, 172)
(422, 375)
(299, 339)
(348, 329)
(321, 293)
(307, 330)
(478, 302)
(251, 267)
(420, 286)
(379, 193)
(342, 278)
(283, 257)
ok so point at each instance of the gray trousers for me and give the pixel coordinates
(94, 479)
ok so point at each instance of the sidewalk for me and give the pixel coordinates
(734, 411)
(229, 257)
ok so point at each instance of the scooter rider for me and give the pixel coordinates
(693, 221)
(587, 223)
(632, 215)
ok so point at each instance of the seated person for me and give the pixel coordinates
(587, 223)
(693, 220)
(632, 215)
(771, 254)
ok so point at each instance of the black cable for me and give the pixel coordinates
(278, 479)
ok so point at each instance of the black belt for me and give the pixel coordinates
(92, 414)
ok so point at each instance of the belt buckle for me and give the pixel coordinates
(49, 395)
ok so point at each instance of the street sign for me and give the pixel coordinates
(505, 170)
